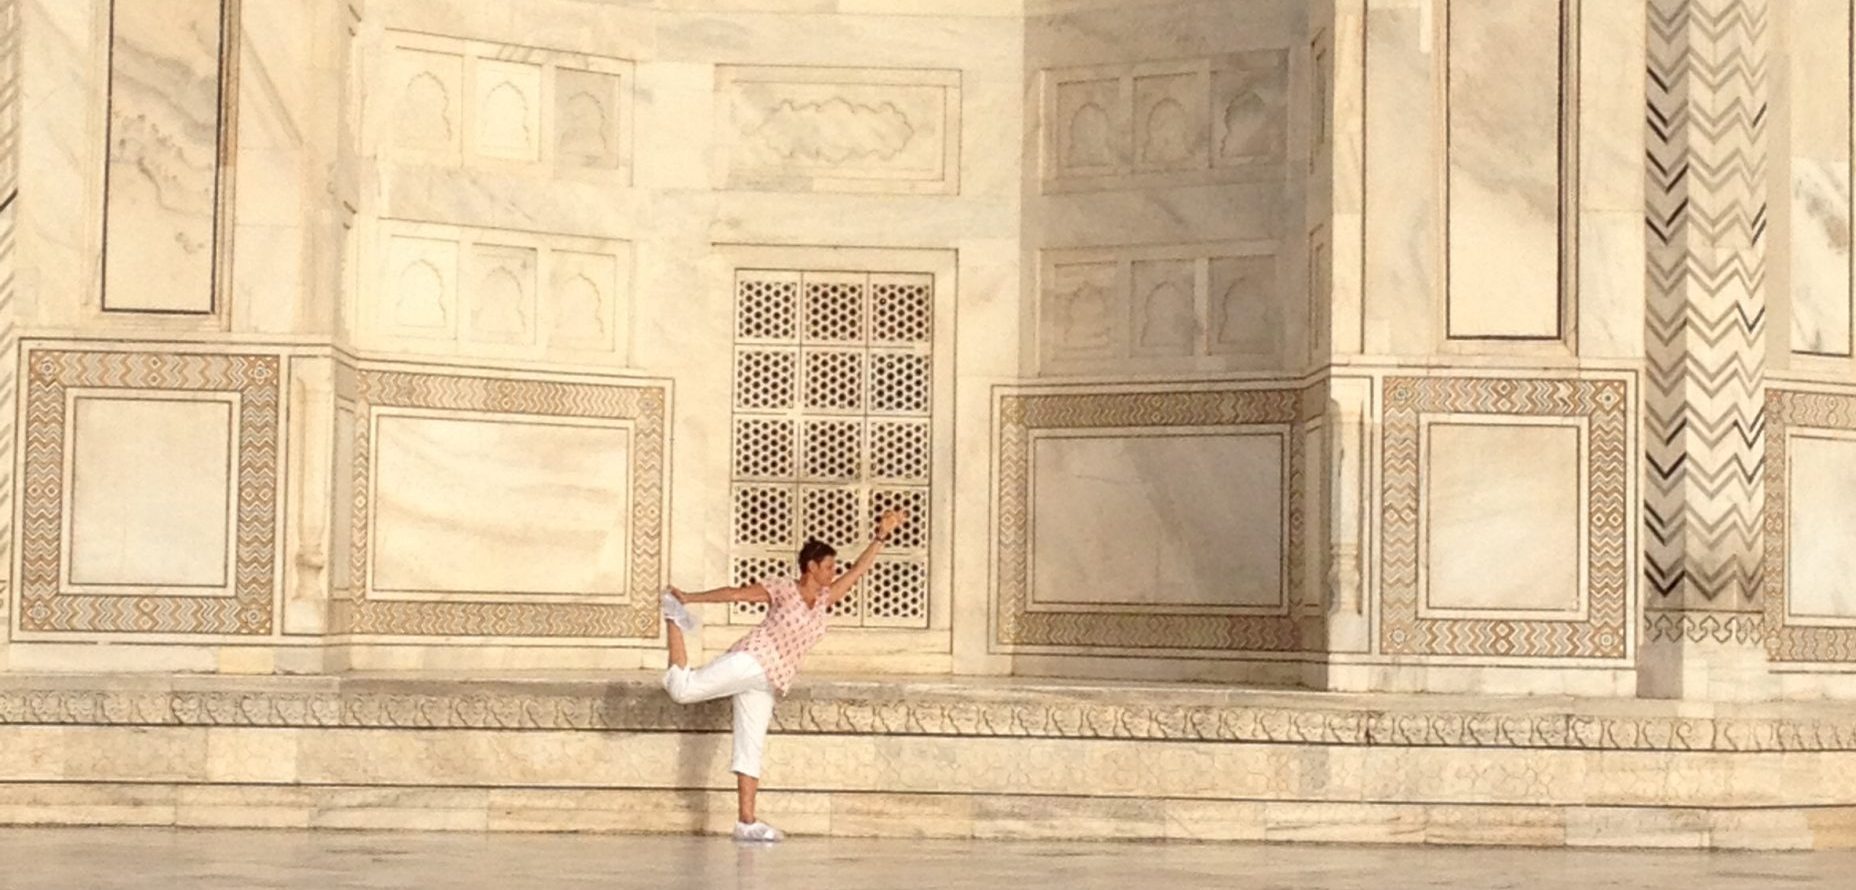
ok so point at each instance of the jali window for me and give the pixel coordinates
(833, 376)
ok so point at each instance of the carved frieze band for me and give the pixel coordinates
(641, 707)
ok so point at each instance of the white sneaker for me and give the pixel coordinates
(759, 832)
(679, 614)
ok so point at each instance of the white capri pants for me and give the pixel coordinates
(736, 675)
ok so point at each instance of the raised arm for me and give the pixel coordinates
(886, 526)
(752, 593)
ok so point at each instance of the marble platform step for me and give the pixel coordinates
(926, 757)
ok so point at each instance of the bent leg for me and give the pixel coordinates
(721, 678)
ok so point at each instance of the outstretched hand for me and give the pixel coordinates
(680, 595)
(890, 521)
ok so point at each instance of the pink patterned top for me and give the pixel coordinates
(790, 630)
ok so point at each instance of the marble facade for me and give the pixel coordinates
(458, 328)
(1375, 346)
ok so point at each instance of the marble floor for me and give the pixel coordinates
(108, 858)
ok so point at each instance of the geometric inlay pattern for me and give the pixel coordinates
(645, 404)
(843, 358)
(254, 379)
(1788, 410)
(1705, 317)
(1018, 417)
(1605, 404)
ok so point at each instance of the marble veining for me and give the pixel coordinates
(166, 122)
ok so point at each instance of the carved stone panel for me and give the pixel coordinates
(839, 129)
(1196, 121)
(470, 103)
(496, 292)
(1159, 308)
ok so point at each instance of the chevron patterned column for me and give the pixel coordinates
(1706, 320)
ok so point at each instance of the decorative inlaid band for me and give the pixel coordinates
(1789, 412)
(1706, 147)
(1019, 415)
(253, 379)
(646, 404)
(1605, 404)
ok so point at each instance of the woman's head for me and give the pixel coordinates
(818, 562)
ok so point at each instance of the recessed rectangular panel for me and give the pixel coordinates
(582, 297)
(507, 111)
(1244, 305)
(1501, 512)
(501, 294)
(1169, 114)
(1821, 574)
(586, 118)
(805, 128)
(1084, 312)
(423, 100)
(1819, 46)
(499, 505)
(851, 130)
(1166, 313)
(1504, 149)
(162, 191)
(151, 488)
(1087, 127)
(418, 287)
(1250, 126)
(1158, 520)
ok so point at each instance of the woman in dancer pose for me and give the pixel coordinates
(763, 663)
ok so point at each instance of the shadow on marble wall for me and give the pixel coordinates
(433, 334)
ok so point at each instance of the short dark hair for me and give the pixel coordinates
(814, 551)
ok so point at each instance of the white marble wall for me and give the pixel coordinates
(1236, 368)
(1814, 176)
(484, 242)
(1162, 230)
(659, 151)
(1808, 594)
(9, 258)
(1504, 185)
(1163, 240)
(206, 252)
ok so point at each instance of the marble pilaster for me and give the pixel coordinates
(1706, 329)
